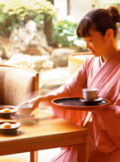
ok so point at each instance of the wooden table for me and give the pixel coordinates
(49, 132)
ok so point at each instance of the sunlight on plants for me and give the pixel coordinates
(64, 33)
(18, 12)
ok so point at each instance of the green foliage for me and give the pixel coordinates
(18, 12)
(64, 33)
(15, 13)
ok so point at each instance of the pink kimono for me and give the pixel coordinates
(104, 130)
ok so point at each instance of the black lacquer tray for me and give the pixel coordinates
(78, 103)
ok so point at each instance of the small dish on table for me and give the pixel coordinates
(25, 115)
(9, 127)
(7, 110)
(25, 120)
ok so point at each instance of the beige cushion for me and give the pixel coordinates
(16, 85)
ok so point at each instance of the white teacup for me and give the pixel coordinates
(24, 115)
(24, 110)
(90, 93)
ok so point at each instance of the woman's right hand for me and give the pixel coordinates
(32, 102)
(26, 108)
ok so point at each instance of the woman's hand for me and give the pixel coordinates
(26, 108)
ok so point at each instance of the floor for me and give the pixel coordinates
(43, 155)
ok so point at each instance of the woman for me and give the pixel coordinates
(98, 29)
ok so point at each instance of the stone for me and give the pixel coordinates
(60, 55)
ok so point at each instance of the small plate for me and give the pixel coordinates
(7, 110)
(96, 101)
(11, 130)
(25, 120)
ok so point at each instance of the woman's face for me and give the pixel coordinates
(96, 43)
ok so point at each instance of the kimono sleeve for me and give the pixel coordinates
(74, 85)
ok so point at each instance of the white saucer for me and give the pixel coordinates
(99, 99)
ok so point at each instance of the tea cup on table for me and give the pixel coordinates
(90, 93)
(24, 110)
(25, 116)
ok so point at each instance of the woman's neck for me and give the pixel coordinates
(111, 51)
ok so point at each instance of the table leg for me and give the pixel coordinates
(82, 152)
(34, 156)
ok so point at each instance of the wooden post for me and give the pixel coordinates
(48, 27)
(68, 7)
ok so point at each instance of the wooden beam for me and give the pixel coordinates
(68, 7)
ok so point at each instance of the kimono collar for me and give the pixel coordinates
(101, 62)
(105, 70)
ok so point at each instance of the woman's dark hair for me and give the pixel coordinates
(99, 20)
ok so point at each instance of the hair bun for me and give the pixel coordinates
(115, 13)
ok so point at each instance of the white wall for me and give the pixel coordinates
(78, 8)
(61, 5)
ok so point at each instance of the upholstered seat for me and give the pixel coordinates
(17, 84)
